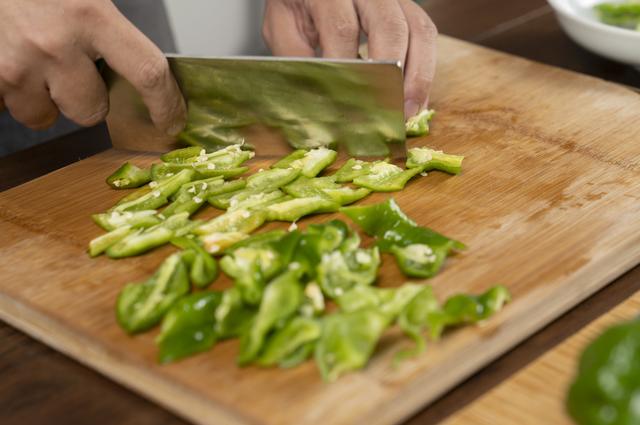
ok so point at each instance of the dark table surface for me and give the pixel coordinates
(40, 386)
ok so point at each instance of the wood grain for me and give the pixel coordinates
(537, 393)
(548, 204)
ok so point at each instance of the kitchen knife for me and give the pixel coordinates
(273, 104)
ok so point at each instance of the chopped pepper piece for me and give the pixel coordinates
(100, 244)
(216, 243)
(134, 219)
(427, 159)
(347, 341)
(129, 176)
(189, 326)
(281, 299)
(385, 177)
(291, 341)
(340, 271)
(310, 163)
(141, 306)
(464, 309)
(418, 125)
(232, 316)
(239, 220)
(294, 209)
(203, 268)
(354, 168)
(180, 156)
(420, 260)
(272, 179)
(159, 195)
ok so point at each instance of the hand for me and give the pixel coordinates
(48, 50)
(397, 30)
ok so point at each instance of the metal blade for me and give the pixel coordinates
(274, 104)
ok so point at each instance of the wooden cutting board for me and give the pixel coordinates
(536, 395)
(548, 203)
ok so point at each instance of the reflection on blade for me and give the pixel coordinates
(275, 104)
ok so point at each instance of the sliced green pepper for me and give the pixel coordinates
(420, 260)
(314, 161)
(189, 326)
(167, 170)
(427, 159)
(605, 390)
(304, 187)
(281, 299)
(254, 200)
(294, 209)
(418, 125)
(423, 311)
(354, 168)
(159, 194)
(347, 341)
(385, 177)
(464, 309)
(340, 271)
(100, 244)
(146, 239)
(134, 219)
(250, 268)
(272, 179)
(288, 160)
(239, 220)
(129, 176)
(141, 306)
(182, 155)
(232, 316)
(288, 341)
(216, 243)
(203, 268)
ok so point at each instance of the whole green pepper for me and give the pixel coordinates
(129, 176)
(282, 297)
(141, 306)
(347, 341)
(605, 390)
(189, 326)
(287, 341)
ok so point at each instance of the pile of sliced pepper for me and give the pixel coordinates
(285, 283)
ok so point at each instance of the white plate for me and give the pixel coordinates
(581, 23)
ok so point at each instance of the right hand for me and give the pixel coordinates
(48, 50)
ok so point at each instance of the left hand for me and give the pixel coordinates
(398, 30)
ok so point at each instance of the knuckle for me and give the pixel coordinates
(425, 27)
(395, 27)
(12, 74)
(345, 28)
(153, 72)
(86, 10)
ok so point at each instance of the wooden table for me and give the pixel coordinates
(41, 386)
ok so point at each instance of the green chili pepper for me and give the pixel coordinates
(354, 168)
(304, 187)
(203, 269)
(181, 155)
(385, 177)
(294, 209)
(239, 220)
(250, 268)
(347, 341)
(288, 341)
(159, 195)
(625, 15)
(195, 186)
(232, 316)
(141, 306)
(100, 244)
(319, 239)
(391, 226)
(259, 240)
(605, 390)
(420, 260)
(427, 159)
(129, 176)
(138, 193)
(423, 311)
(310, 163)
(272, 179)
(144, 240)
(390, 301)
(288, 160)
(463, 309)
(282, 297)
(134, 219)
(313, 303)
(254, 199)
(202, 171)
(418, 125)
(340, 271)
(189, 326)
(216, 243)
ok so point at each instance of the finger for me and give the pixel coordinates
(138, 60)
(420, 65)
(79, 91)
(32, 107)
(283, 33)
(387, 29)
(337, 24)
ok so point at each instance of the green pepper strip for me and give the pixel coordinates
(418, 125)
(129, 176)
(100, 244)
(291, 339)
(159, 195)
(141, 306)
(189, 326)
(134, 219)
(427, 159)
(233, 317)
(203, 268)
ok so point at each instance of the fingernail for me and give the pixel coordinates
(410, 108)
